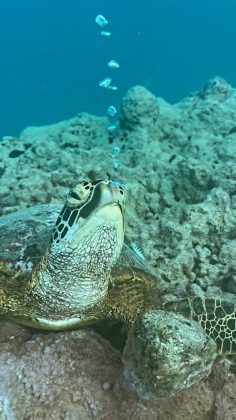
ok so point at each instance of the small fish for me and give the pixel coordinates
(137, 250)
(105, 83)
(106, 34)
(113, 87)
(113, 64)
(101, 21)
(111, 111)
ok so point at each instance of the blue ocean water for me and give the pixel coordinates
(52, 56)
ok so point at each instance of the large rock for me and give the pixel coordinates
(165, 354)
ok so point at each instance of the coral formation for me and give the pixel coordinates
(139, 109)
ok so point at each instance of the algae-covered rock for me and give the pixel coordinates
(165, 353)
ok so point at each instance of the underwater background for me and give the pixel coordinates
(52, 57)
(168, 135)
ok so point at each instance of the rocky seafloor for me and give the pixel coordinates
(177, 163)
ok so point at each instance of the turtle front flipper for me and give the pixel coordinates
(132, 289)
(216, 316)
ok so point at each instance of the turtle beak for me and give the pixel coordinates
(111, 202)
(112, 192)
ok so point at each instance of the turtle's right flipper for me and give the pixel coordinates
(216, 316)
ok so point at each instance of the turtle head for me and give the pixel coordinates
(86, 242)
(89, 206)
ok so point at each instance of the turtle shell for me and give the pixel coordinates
(25, 235)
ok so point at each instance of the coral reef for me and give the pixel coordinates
(178, 165)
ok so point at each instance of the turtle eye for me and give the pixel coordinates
(84, 189)
(86, 185)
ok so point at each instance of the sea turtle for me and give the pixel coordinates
(73, 273)
(67, 268)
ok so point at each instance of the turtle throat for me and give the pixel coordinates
(77, 267)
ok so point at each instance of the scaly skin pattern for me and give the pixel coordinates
(13, 297)
(60, 288)
(216, 316)
(129, 293)
(81, 278)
